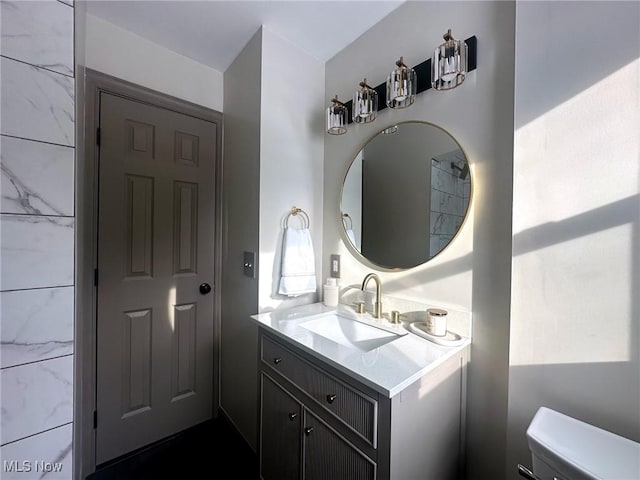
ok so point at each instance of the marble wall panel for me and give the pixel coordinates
(36, 178)
(36, 325)
(36, 397)
(37, 238)
(48, 454)
(36, 251)
(36, 103)
(39, 33)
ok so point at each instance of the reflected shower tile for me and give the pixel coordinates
(444, 240)
(449, 185)
(54, 447)
(461, 206)
(36, 325)
(438, 179)
(39, 33)
(438, 223)
(37, 104)
(435, 200)
(37, 178)
(36, 397)
(36, 251)
(434, 245)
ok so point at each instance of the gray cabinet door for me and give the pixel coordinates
(280, 433)
(155, 249)
(328, 456)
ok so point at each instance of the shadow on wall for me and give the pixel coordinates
(552, 382)
(578, 383)
(573, 71)
(621, 212)
(601, 354)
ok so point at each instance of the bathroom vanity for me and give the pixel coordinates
(342, 399)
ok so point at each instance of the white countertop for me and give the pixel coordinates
(388, 369)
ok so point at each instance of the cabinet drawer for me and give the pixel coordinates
(353, 408)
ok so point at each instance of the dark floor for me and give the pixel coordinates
(205, 451)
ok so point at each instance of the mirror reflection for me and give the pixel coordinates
(405, 195)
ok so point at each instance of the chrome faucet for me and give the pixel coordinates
(377, 306)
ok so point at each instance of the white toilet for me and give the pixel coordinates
(568, 449)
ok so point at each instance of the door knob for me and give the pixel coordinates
(307, 431)
(205, 288)
(331, 398)
(292, 416)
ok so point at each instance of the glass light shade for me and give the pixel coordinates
(449, 64)
(365, 103)
(337, 118)
(401, 86)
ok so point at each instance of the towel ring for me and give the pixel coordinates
(345, 217)
(295, 211)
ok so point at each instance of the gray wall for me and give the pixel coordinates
(474, 272)
(575, 314)
(241, 190)
(37, 250)
(273, 153)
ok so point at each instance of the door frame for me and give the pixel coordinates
(86, 249)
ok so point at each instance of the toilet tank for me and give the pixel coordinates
(566, 448)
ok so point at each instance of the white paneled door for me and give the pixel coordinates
(156, 271)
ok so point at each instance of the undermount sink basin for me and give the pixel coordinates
(349, 332)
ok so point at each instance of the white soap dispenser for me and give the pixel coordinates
(331, 292)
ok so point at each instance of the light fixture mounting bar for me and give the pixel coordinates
(423, 72)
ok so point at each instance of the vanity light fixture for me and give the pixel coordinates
(337, 117)
(365, 103)
(449, 63)
(402, 83)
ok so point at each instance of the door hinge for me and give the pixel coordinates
(95, 419)
(98, 136)
(95, 277)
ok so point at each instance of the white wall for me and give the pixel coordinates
(473, 272)
(125, 55)
(575, 315)
(291, 158)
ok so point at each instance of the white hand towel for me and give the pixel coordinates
(298, 274)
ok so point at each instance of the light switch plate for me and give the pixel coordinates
(335, 266)
(250, 264)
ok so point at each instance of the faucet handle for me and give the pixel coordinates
(393, 316)
(359, 307)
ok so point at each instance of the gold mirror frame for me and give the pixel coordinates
(462, 213)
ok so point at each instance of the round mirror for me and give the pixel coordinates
(405, 195)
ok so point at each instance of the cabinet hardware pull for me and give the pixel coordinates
(277, 360)
(308, 430)
(331, 398)
(292, 416)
